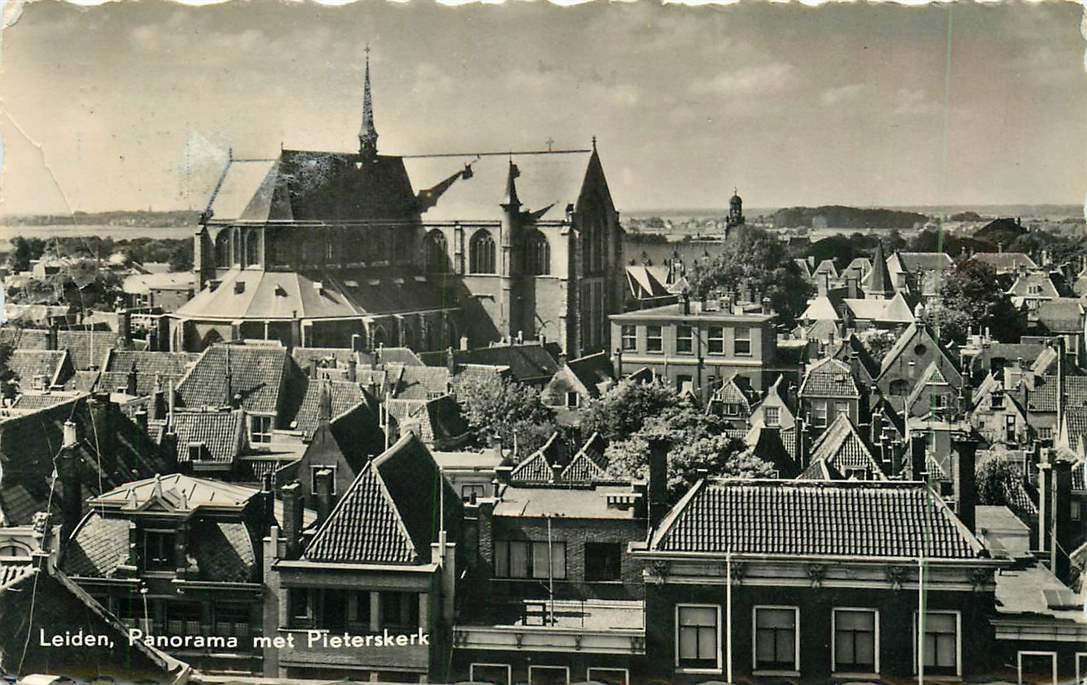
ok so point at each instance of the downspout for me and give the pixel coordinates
(921, 620)
(728, 617)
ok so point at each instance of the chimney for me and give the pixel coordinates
(356, 342)
(130, 380)
(267, 501)
(464, 342)
(101, 410)
(323, 493)
(556, 473)
(658, 480)
(124, 327)
(766, 306)
(684, 303)
(141, 419)
(851, 287)
(313, 367)
(292, 517)
(352, 368)
(965, 487)
(52, 336)
(918, 457)
(68, 471)
(562, 359)
(450, 361)
(1055, 512)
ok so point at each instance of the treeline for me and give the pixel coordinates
(836, 216)
(148, 219)
(177, 252)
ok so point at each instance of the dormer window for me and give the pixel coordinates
(158, 550)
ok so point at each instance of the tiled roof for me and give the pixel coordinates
(1042, 281)
(35, 401)
(167, 366)
(820, 308)
(387, 514)
(98, 546)
(10, 573)
(256, 373)
(924, 261)
(842, 447)
(853, 345)
(1002, 261)
(87, 348)
(26, 364)
(440, 421)
(1044, 396)
(1075, 419)
(828, 518)
(829, 378)
(891, 311)
(594, 371)
(537, 467)
(820, 470)
(28, 444)
(224, 551)
(931, 376)
(345, 396)
(222, 432)
(1063, 315)
(419, 382)
(528, 362)
(398, 355)
(82, 381)
(588, 464)
(902, 343)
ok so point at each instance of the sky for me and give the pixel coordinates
(130, 105)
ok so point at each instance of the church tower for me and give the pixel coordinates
(735, 212)
(367, 133)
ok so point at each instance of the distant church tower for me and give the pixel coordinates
(367, 133)
(735, 213)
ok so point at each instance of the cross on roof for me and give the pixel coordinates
(550, 141)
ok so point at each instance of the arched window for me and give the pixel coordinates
(236, 252)
(377, 338)
(222, 250)
(435, 253)
(537, 254)
(13, 551)
(481, 253)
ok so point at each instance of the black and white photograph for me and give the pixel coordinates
(543, 343)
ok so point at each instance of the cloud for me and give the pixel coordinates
(840, 95)
(764, 78)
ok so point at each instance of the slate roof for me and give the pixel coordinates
(410, 382)
(645, 282)
(1005, 261)
(98, 546)
(222, 432)
(537, 467)
(167, 366)
(256, 373)
(440, 421)
(890, 311)
(548, 180)
(931, 376)
(307, 294)
(1061, 315)
(82, 381)
(302, 185)
(387, 515)
(26, 364)
(923, 261)
(34, 401)
(397, 355)
(1039, 279)
(853, 345)
(878, 280)
(820, 308)
(829, 378)
(885, 519)
(842, 446)
(903, 341)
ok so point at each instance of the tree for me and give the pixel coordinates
(971, 297)
(496, 407)
(23, 250)
(997, 481)
(632, 416)
(181, 259)
(756, 259)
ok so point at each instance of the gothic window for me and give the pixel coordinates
(537, 254)
(236, 252)
(481, 253)
(222, 250)
(377, 339)
(435, 252)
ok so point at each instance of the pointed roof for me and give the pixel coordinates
(932, 375)
(829, 378)
(917, 328)
(820, 308)
(842, 446)
(367, 132)
(878, 279)
(510, 199)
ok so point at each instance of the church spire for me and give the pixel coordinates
(367, 133)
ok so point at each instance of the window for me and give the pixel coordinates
(1077, 514)
(941, 643)
(603, 561)
(1045, 433)
(537, 254)
(697, 636)
(772, 416)
(252, 248)
(158, 550)
(715, 340)
(731, 409)
(183, 618)
(435, 253)
(260, 428)
(525, 559)
(313, 469)
(654, 339)
(572, 398)
(996, 400)
(472, 490)
(496, 674)
(14, 551)
(481, 253)
(231, 618)
(400, 611)
(301, 614)
(629, 336)
(855, 473)
(819, 414)
(841, 408)
(608, 676)
(358, 611)
(856, 641)
(742, 342)
(900, 387)
(684, 340)
(1037, 668)
(548, 675)
(776, 647)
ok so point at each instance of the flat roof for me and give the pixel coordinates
(673, 312)
(564, 502)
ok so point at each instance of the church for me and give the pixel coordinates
(361, 249)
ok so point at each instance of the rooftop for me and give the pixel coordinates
(674, 312)
(566, 502)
